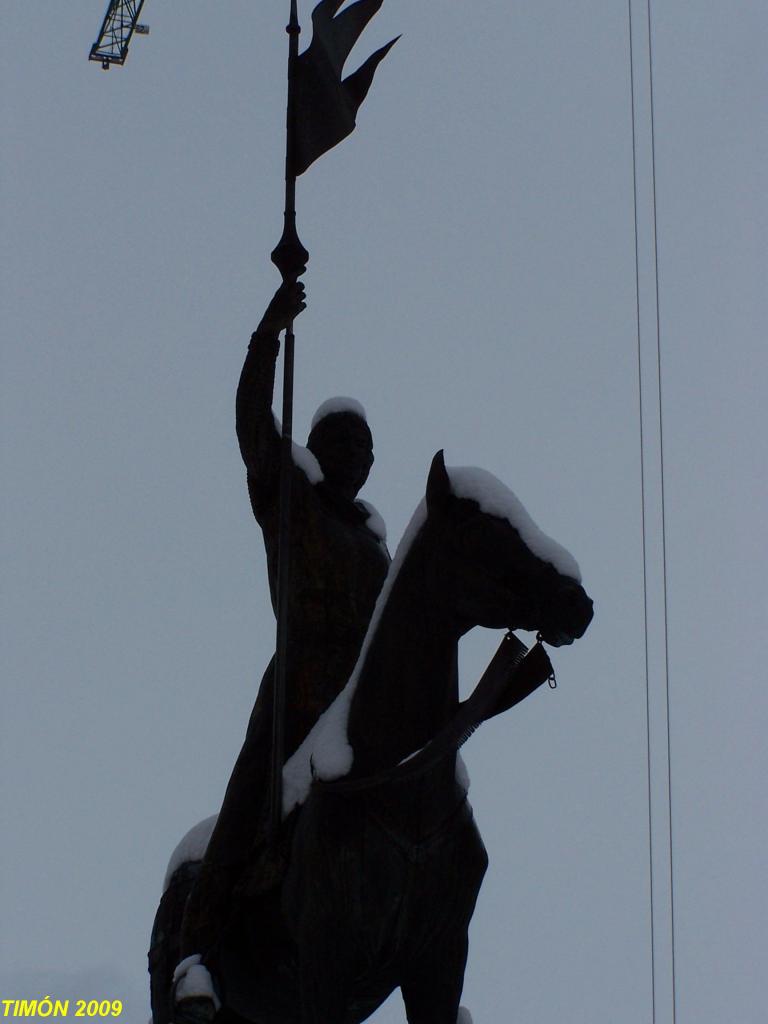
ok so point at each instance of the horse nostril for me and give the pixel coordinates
(586, 613)
(577, 609)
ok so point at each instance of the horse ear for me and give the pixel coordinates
(438, 482)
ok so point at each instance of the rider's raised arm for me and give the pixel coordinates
(256, 432)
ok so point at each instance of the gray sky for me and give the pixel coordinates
(472, 283)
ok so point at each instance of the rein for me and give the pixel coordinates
(513, 674)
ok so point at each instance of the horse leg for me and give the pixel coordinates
(431, 988)
(164, 952)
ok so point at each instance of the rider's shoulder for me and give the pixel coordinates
(374, 521)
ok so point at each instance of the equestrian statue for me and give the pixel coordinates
(372, 879)
(345, 861)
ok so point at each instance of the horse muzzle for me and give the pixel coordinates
(566, 615)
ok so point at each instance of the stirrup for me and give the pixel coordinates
(194, 997)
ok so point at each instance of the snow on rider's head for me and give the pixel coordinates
(341, 441)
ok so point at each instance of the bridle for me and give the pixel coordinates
(513, 674)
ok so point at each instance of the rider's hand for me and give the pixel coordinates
(287, 302)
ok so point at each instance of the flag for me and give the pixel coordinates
(325, 107)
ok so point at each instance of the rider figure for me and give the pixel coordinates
(337, 566)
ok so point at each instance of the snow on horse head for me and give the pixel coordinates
(384, 872)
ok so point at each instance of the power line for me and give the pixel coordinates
(665, 589)
(642, 513)
(645, 457)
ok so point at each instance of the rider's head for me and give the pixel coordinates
(341, 441)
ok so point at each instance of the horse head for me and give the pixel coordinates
(496, 568)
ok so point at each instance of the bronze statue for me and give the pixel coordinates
(385, 861)
(354, 868)
(337, 566)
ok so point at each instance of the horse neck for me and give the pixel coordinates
(408, 682)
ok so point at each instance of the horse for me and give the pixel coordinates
(384, 871)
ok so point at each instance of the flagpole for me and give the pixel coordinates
(290, 257)
(327, 102)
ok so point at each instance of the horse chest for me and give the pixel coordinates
(356, 878)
